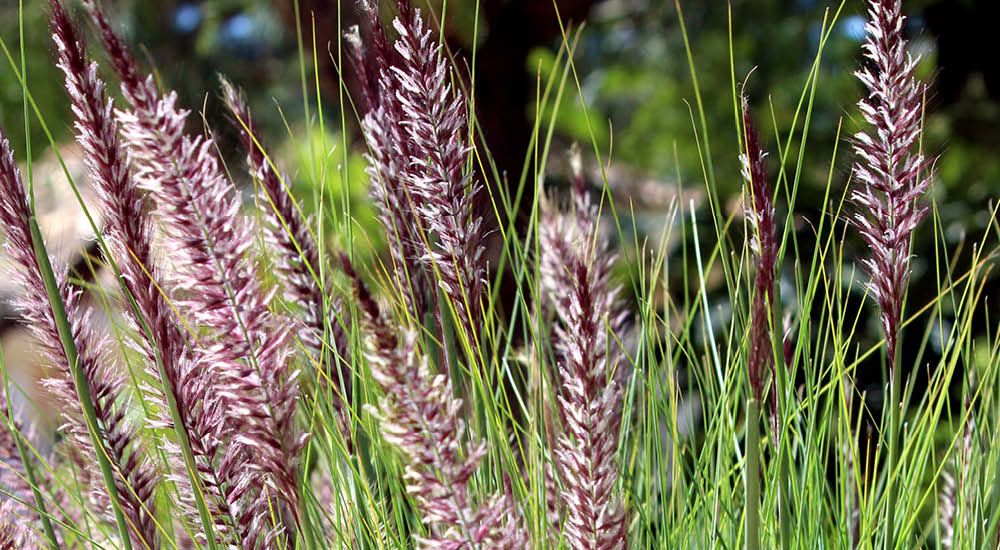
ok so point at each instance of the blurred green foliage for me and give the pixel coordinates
(631, 62)
(187, 44)
(633, 73)
(315, 163)
(43, 78)
(637, 81)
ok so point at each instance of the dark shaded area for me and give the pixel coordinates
(965, 31)
(504, 85)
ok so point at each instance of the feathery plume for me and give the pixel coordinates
(575, 277)
(952, 509)
(297, 260)
(947, 509)
(890, 177)
(135, 479)
(16, 529)
(386, 156)
(759, 209)
(219, 290)
(21, 486)
(13, 479)
(417, 135)
(445, 193)
(420, 416)
(848, 468)
(17, 516)
(128, 231)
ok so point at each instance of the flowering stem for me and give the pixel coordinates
(751, 475)
(79, 377)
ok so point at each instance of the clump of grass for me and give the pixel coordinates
(328, 405)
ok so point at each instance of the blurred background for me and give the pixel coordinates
(632, 65)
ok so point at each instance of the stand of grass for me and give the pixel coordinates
(692, 476)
